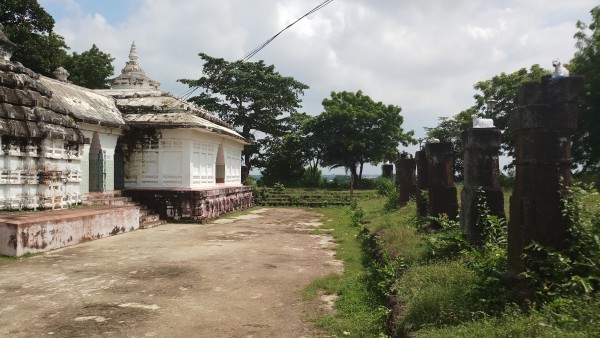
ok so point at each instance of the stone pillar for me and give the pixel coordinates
(245, 172)
(542, 126)
(440, 171)
(406, 182)
(422, 182)
(481, 171)
(387, 170)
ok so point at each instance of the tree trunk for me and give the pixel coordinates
(361, 171)
(247, 151)
(353, 178)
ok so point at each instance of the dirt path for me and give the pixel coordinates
(234, 278)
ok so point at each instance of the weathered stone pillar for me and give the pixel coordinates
(406, 182)
(244, 173)
(440, 171)
(422, 182)
(387, 170)
(542, 126)
(481, 171)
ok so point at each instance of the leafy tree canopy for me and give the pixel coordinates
(354, 130)
(251, 96)
(586, 141)
(28, 25)
(90, 69)
(285, 161)
(294, 156)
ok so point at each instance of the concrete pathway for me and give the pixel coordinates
(234, 278)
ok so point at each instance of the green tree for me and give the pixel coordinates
(251, 96)
(354, 130)
(586, 141)
(285, 162)
(90, 69)
(295, 156)
(29, 26)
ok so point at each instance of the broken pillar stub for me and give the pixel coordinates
(387, 170)
(481, 179)
(406, 181)
(542, 126)
(422, 183)
(244, 173)
(440, 172)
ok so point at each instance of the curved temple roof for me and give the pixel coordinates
(155, 108)
(144, 105)
(84, 104)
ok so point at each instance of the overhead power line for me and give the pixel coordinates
(264, 44)
(248, 56)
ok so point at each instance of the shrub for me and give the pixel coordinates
(447, 243)
(384, 186)
(575, 270)
(278, 188)
(357, 214)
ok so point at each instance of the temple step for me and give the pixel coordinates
(147, 219)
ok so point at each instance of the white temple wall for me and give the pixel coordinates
(183, 158)
(39, 174)
(84, 187)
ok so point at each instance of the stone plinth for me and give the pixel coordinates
(440, 172)
(542, 127)
(387, 171)
(32, 232)
(481, 176)
(406, 181)
(193, 205)
(422, 182)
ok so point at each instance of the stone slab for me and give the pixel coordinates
(33, 232)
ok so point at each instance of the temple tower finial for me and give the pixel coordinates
(133, 76)
(133, 57)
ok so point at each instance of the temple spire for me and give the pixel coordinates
(133, 76)
(133, 53)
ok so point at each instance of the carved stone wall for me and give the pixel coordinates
(193, 205)
(542, 126)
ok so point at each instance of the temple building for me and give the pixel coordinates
(171, 143)
(178, 159)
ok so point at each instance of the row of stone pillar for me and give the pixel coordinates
(542, 127)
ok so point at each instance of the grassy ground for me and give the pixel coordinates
(438, 297)
(360, 311)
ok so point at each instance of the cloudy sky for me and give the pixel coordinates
(424, 56)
